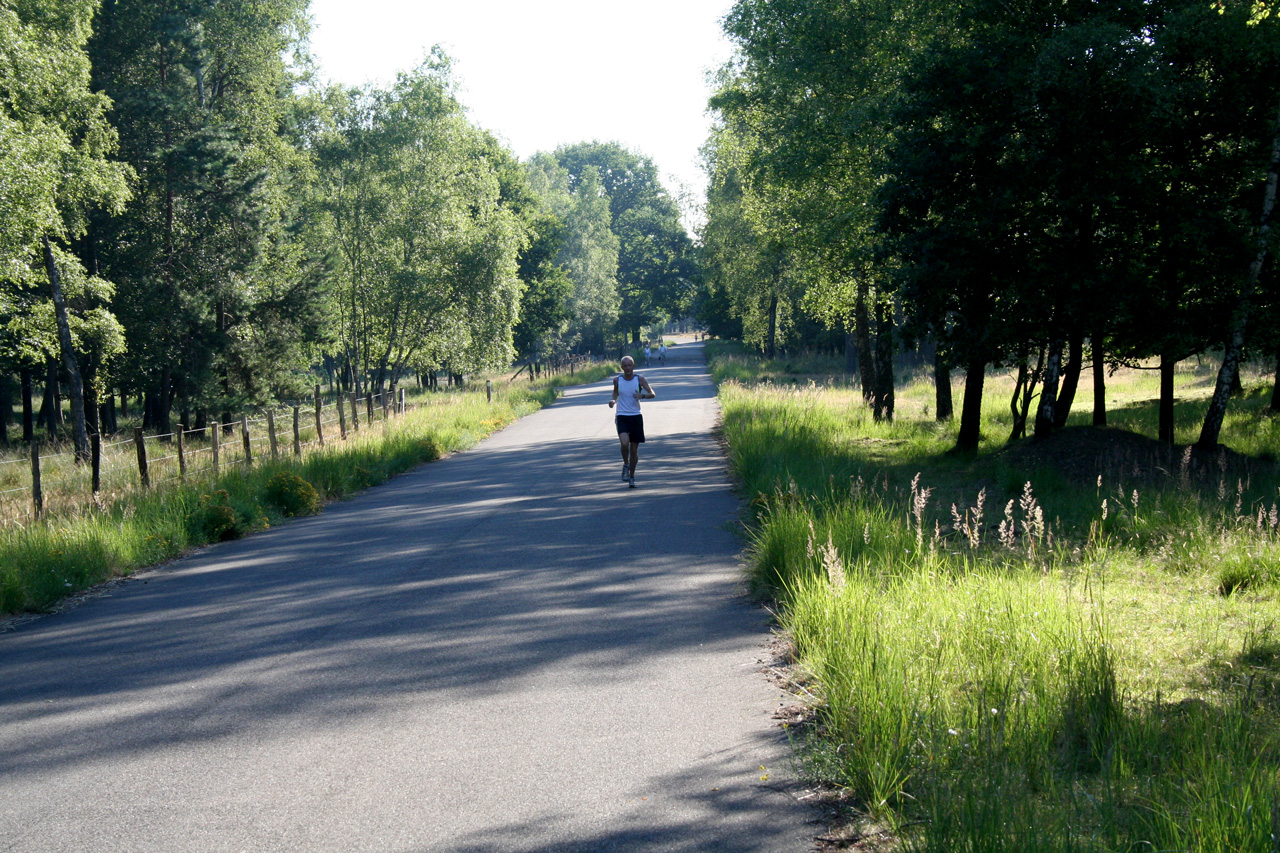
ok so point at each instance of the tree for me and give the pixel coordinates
(655, 255)
(204, 101)
(589, 253)
(544, 306)
(1235, 343)
(424, 210)
(739, 258)
(808, 100)
(54, 145)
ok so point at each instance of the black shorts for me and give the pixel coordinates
(632, 425)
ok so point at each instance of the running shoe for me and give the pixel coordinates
(626, 472)
(631, 482)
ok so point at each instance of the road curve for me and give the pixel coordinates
(507, 650)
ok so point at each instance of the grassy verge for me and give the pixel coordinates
(43, 562)
(1064, 647)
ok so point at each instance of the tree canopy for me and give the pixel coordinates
(998, 180)
(191, 221)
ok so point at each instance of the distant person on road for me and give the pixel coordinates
(628, 390)
(646, 355)
(662, 353)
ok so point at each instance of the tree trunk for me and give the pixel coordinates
(862, 331)
(1099, 382)
(49, 400)
(1275, 387)
(1217, 410)
(1167, 365)
(1049, 396)
(90, 378)
(28, 409)
(1024, 393)
(942, 386)
(771, 342)
(109, 414)
(163, 401)
(971, 407)
(884, 363)
(850, 353)
(91, 421)
(1017, 412)
(1070, 379)
(6, 406)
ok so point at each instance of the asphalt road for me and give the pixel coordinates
(506, 650)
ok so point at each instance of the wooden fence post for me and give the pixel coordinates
(400, 399)
(37, 496)
(488, 390)
(140, 441)
(271, 433)
(297, 436)
(385, 406)
(248, 447)
(342, 417)
(319, 425)
(215, 436)
(368, 402)
(355, 412)
(182, 458)
(95, 449)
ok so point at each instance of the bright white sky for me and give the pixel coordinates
(541, 73)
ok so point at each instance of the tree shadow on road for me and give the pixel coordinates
(456, 578)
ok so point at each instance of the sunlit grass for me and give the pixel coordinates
(1009, 655)
(81, 542)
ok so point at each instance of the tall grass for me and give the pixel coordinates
(1006, 656)
(43, 562)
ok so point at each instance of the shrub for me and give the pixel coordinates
(291, 494)
(216, 519)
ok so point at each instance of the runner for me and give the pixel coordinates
(628, 390)
(646, 355)
(662, 353)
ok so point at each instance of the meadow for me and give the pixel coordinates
(1071, 645)
(82, 541)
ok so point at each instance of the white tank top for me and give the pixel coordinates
(627, 389)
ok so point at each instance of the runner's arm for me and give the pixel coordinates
(645, 386)
(615, 392)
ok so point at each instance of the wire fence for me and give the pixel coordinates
(52, 479)
(46, 480)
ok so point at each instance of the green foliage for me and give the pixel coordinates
(44, 562)
(213, 250)
(589, 251)
(428, 215)
(544, 305)
(291, 494)
(973, 170)
(217, 520)
(655, 255)
(55, 167)
(1021, 669)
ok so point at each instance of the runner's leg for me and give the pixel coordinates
(628, 449)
